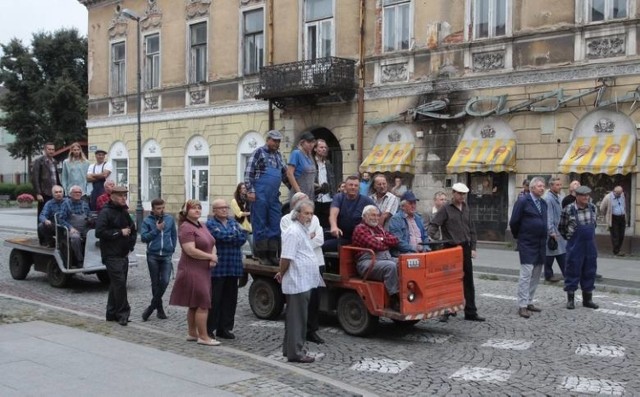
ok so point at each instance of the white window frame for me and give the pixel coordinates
(197, 147)
(192, 54)
(118, 69)
(243, 43)
(117, 153)
(151, 150)
(471, 28)
(397, 25)
(152, 63)
(323, 26)
(584, 7)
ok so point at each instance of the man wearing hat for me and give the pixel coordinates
(578, 227)
(265, 171)
(97, 174)
(117, 233)
(301, 169)
(407, 225)
(454, 221)
(529, 225)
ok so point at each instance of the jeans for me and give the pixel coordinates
(159, 270)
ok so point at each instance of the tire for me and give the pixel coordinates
(353, 315)
(57, 279)
(103, 276)
(19, 264)
(265, 298)
(405, 324)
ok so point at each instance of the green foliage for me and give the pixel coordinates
(8, 188)
(24, 188)
(47, 91)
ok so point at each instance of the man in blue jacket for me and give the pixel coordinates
(407, 225)
(529, 225)
(159, 232)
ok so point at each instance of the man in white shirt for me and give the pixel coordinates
(386, 201)
(97, 174)
(299, 275)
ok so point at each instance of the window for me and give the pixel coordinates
(198, 52)
(200, 179)
(121, 171)
(489, 18)
(604, 10)
(152, 61)
(154, 178)
(118, 69)
(396, 25)
(253, 41)
(318, 17)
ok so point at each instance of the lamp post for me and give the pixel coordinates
(135, 17)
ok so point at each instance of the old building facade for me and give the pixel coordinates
(487, 92)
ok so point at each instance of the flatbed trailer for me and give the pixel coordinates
(430, 285)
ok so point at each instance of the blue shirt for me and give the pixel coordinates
(229, 240)
(300, 162)
(78, 207)
(50, 209)
(617, 205)
(257, 166)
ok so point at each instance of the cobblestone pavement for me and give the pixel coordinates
(556, 352)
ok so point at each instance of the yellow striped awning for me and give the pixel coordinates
(389, 157)
(611, 154)
(483, 155)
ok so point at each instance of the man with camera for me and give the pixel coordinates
(159, 233)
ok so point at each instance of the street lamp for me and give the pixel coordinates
(135, 17)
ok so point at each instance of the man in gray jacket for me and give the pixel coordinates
(553, 197)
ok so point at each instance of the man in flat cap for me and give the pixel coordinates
(454, 221)
(578, 227)
(266, 170)
(117, 233)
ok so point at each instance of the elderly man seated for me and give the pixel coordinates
(74, 215)
(408, 227)
(46, 220)
(370, 234)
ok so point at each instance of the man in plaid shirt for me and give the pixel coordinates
(578, 227)
(224, 277)
(370, 234)
(74, 215)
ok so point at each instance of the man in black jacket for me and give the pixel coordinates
(44, 177)
(117, 233)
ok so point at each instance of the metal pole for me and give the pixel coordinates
(139, 210)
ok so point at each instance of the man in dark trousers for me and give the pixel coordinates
(578, 227)
(117, 233)
(454, 221)
(44, 177)
(614, 209)
(529, 225)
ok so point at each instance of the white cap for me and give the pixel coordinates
(460, 188)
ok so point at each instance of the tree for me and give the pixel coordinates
(47, 86)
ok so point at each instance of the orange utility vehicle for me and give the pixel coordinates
(430, 284)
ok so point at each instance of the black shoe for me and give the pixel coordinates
(146, 313)
(161, 314)
(314, 337)
(598, 276)
(444, 318)
(473, 317)
(123, 322)
(305, 360)
(225, 335)
(111, 318)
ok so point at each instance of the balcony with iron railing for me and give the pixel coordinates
(308, 81)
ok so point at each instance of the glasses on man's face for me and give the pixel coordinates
(76, 191)
(221, 208)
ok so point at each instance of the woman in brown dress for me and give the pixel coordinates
(192, 287)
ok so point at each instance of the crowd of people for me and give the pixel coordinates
(362, 211)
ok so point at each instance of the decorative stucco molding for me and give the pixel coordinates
(488, 60)
(197, 8)
(395, 72)
(606, 47)
(152, 18)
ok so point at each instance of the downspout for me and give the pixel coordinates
(270, 54)
(361, 70)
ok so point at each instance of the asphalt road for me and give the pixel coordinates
(554, 353)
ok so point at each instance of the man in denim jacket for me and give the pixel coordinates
(159, 232)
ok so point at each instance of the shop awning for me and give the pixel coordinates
(483, 155)
(611, 154)
(389, 157)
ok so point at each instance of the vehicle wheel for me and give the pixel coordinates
(57, 279)
(103, 276)
(265, 298)
(353, 315)
(405, 324)
(19, 264)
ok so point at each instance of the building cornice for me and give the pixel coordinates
(520, 78)
(97, 3)
(184, 114)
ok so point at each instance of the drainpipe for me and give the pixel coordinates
(270, 54)
(360, 131)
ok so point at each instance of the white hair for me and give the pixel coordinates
(295, 212)
(369, 208)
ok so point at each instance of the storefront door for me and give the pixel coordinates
(489, 203)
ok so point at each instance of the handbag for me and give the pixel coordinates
(552, 244)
